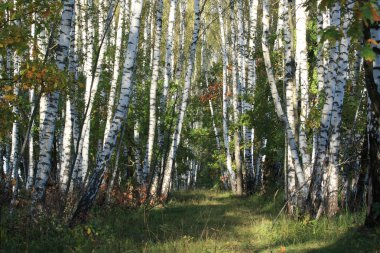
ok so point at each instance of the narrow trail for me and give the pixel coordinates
(196, 222)
(207, 221)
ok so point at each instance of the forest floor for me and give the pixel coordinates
(195, 221)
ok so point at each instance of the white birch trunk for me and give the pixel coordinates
(185, 98)
(336, 117)
(321, 62)
(95, 180)
(92, 83)
(302, 82)
(81, 163)
(136, 138)
(147, 33)
(167, 70)
(278, 107)
(124, 10)
(50, 110)
(225, 98)
(317, 191)
(15, 156)
(251, 82)
(181, 37)
(259, 183)
(32, 52)
(29, 182)
(6, 161)
(2, 171)
(236, 86)
(153, 92)
(290, 104)
(278, 44)
(67, 141)
(69, 111)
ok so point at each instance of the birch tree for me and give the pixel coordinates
(336, 117)
(278, 107)
(153, 92)
(69, 115)
(92, 82)
(290, 102)
(124, 10)
(51, 107)
(181, 38)
(168, 70)
(15, 156)
(95, 180)
(236, 85)
(225, 98)
(185, 97)
(317, 190)
(302, 82)
(251, 83)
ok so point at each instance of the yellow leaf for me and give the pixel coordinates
(89, 231)
(8, 88)
(81, 85)
(26, 86)
(372, 41)
(9, 98)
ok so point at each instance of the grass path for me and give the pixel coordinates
(198, 221)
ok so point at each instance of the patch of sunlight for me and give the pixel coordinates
(202, 222)
(189, 245)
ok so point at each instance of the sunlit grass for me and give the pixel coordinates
(197, 221)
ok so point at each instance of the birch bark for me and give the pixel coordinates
(181, 37)
(92, 83)
(302, 82)
(278, 107)
(290, 102)
(251, 86)
(318, 184)
(15, 156)
(124, 10)
(226, 140)
(153, 92)
(50, 110)
(95, 180)
(69, 115)
(336, 117)
(185, 97)
(236, 86)
(167, 70)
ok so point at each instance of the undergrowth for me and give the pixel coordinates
(197, 221)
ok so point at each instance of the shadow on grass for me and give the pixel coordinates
(191, 222)
(355, 240)
(195, 217)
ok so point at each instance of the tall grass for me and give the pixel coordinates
(197, 221)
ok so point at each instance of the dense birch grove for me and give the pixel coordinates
(124, 102)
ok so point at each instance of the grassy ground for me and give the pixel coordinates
(198, 221)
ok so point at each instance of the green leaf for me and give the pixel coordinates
(367, 53)
(355, 31)
(331, 34)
